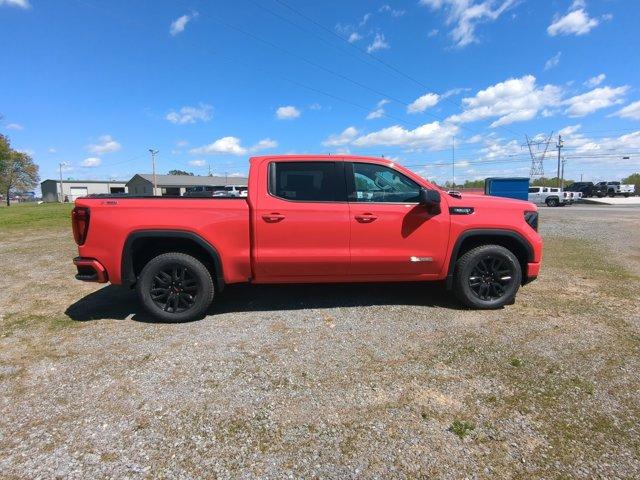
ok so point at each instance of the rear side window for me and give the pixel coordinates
(533, 190)
(305, 181)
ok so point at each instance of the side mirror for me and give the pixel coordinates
(429, 198)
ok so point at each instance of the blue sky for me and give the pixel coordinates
(95, 83)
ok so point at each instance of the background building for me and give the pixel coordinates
(72, 189)
(176, 185)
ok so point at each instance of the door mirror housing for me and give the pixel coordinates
(429, 198)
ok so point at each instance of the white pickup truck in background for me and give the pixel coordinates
(616, 188)
(549, 196)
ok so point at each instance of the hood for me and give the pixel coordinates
(488, 201)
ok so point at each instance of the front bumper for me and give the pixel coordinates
(533, 269)
(90, 270)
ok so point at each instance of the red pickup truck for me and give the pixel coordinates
(308, 219)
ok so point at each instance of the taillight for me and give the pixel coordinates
(532, 219)
(80, 224)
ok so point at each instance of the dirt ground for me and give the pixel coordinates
(382, 381)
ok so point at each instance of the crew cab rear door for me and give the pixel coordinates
(391, 233)
(302, 220)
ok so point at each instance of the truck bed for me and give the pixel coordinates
(115, 218)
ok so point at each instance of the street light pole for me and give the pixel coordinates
(153, 164)
(61, 199)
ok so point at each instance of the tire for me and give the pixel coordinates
(552, 202)
(175, 287)
(482, 291)
(612, 193)
(626, 195)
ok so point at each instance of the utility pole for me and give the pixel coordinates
(453, 161)
(564, 160)
(559, 147)
(537, 160)
(61, 164)
(153, 163)
(209, 168)
(581, 177)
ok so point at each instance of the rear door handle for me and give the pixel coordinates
(273, 217)
(366, 218)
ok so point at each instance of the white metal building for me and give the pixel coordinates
(72, 189)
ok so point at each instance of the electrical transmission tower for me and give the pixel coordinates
(537, 158)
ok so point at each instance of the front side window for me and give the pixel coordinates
(533, 190)
(377, 183)
(304, 181)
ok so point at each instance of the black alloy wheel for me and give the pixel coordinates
(487, 277)
(174, 289)
(490, 278)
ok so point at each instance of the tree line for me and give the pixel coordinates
(18, 172)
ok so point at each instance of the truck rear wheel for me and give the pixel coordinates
(175, 287)
(552, 202)
(487, 277)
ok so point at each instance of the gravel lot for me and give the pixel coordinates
(382, 381)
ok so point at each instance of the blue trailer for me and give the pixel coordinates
(515, 187)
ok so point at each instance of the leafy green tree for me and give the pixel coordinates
(17, 170)
(550, 182)
(179, 172)
(634, 178)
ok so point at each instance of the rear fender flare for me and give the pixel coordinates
(127, 270)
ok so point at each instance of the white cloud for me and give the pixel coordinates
(433, 136)
(570, 130)
(180, 23)
(264, 144)
(553, 61)
(631, 111)
(347, 135)
(91, 162)
(182, 143)
(24, 4)
(420, 104)
(467, 14)
(354, 37)
(596, 99)
(432, 33)
(514, 100)
(198, 163)
(365, 19)
(187, 114)
(288, 112)
(232, 146)
(377, 113)
(105, 144)
(14, 126)
(595, 81)
(222, 146)
(576, 22)
(52, 150)
(393, 12)
(379, 43)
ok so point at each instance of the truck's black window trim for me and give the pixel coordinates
(351, 184)
(330, 187)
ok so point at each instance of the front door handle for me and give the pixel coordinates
(273, 217)
(366, 218)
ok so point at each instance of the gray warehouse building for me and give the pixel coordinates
(72, 189)
(176, 185)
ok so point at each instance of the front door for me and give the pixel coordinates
(302, 221)
(391, 233)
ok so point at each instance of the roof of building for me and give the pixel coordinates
(111, 182)
(189, 180)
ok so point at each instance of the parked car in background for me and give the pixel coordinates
(588, 189)
(616, 188)
(549, 196)
(309, 219)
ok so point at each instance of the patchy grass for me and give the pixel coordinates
(461, 428)
(29, 216)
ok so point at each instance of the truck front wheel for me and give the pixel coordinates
(487, 277)
(175, 287)
(552, 202)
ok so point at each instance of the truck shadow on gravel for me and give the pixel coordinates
(118, 303)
